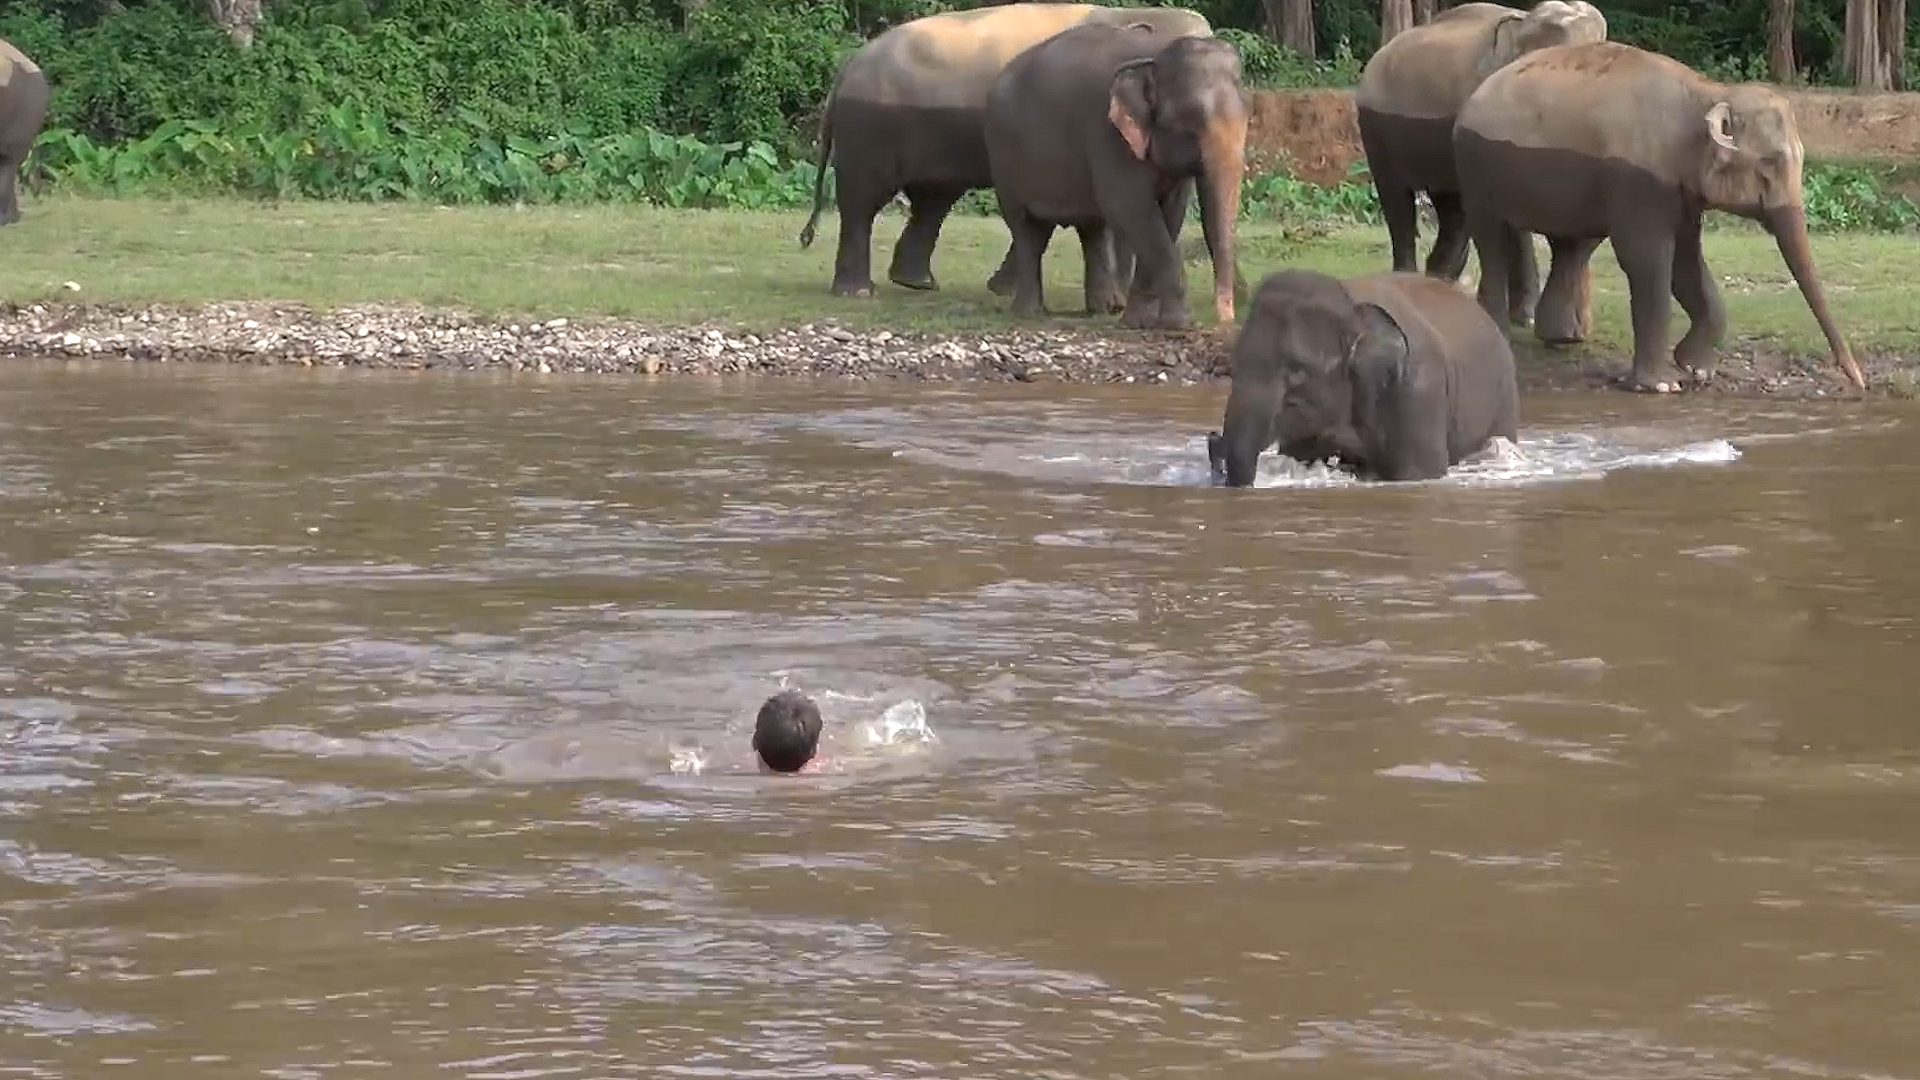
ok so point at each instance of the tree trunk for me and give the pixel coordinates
(1290, 22)
(1864, 58)
(1893, 42)
(1780, 65)
(237, 17)
(1395, 16)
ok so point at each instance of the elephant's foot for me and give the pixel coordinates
(1165, 315)
(1645, 383)
(1521, 317)
(862, 289)
(1001, 283)
(1559, 327)
(1109, 302)
(1028, 307)
(923, 284)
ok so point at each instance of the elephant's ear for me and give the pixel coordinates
(1379, 352)
(1508, 41)
(1130, 105)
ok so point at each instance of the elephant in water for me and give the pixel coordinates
(905, 114)
(1107, 127)
(1604, 141)
(1409, 94)
(1400, 376)
(23, 110)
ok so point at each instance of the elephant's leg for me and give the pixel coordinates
(1096, 253)
(913, 254)
(9, 191)
(1646, 258)
(1123, 267)
(1448, 259)
(859, 202)
(1158, 296)
(1489, 235)
(1030, 239)
(1174, 207)
(1001, 283)
(1523, 276)
(1565, 312)
(1403, 221)
(1699, 297)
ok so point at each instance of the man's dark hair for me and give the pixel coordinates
(787, 731)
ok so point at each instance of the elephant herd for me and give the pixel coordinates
(1513, 123)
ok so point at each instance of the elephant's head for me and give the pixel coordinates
(1309, 369)
(1548, 23)
(1750, 161)
(1184, 111)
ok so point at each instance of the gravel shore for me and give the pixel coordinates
(411, 338)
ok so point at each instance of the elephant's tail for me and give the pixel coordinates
(820, 175)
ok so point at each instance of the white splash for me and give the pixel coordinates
(903, 723)
(1538, 457)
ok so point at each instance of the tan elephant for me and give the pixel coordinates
(1603, 141)
(905, 115)
(1409, 94)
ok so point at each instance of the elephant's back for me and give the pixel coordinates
(1445, 312)
(14, 63)
(1604, 100)
(950, 60)
(1072, 68)
(1428, 71)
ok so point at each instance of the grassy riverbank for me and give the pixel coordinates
(747, 271)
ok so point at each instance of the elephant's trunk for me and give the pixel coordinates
(1223, 161)
(1789, 227)
(1246, 431)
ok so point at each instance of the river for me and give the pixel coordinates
(358, 724)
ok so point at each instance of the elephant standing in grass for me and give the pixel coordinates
(1604, 141)
(1400, 376)
(23, 111)
(1107, 127)
(1409, 94)
(905, 115)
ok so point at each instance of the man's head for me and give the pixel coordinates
(787, 731)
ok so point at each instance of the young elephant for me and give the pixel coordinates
(1108, 127)
(1603, 141)
(1399, 375)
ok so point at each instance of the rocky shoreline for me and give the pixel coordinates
(409, 338)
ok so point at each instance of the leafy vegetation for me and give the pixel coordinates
(360, 155)
(664, 102)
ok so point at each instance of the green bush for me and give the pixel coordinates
(360, 154)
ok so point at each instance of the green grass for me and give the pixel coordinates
(746, 269)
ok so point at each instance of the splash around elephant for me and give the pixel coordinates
(23, 111)
(1108, 127)
(1399, 375)
(1604, 141)
(905, 115)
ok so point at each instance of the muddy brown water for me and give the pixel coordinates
(339, 716)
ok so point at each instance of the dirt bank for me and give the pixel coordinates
(415, 339)
(1312, 134)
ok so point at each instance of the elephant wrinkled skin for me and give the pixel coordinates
(1399, 375)
(1604, 141)
(1409, 94)
(23, 111)
(1108, 127)
(905, 115)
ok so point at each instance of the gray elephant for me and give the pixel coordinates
(1604, 141)
(905, 115)
(1398, 375)
(1410, 92)
(23, 111)
(1107, 127)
